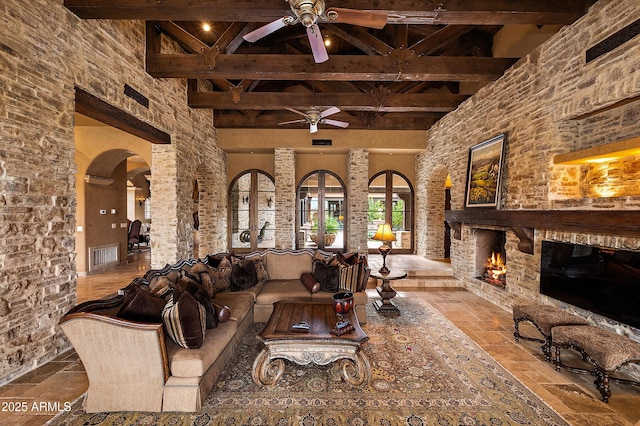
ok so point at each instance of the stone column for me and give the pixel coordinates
(285, 203)
(357, 199)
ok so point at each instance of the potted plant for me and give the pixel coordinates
(331, 226)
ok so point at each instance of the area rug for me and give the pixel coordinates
(425, 371)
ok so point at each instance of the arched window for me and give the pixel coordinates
(391, 201)
(321, 211)
(252, 201)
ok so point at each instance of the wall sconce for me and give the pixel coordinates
(245, 200)
(269, 201)
(140, 200)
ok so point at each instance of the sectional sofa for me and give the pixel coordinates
(137, 361)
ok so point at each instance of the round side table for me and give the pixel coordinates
(387, 292)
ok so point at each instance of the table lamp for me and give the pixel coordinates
(385, 235)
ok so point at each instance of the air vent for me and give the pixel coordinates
(136, 96)
(614, 41)
(321, 142)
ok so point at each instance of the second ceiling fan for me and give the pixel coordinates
(314, 117)
(308, 13)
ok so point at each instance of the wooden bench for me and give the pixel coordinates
(605, 349)
(544, 317)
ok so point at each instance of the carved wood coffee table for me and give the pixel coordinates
(317, 345)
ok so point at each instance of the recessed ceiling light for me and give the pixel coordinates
(206, 27)
(327, 42)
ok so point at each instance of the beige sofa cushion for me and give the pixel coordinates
(195, 362)
(275, 290)
(239, 303)
(288, 265)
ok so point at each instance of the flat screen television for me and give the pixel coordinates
(602, 280)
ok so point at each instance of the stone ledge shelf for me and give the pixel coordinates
(523, 222)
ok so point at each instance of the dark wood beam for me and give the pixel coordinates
(591, 221)
(391, 102)
(337, 68)
(456, 12)
(94, 107)
(371, 121)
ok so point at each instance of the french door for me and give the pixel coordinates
(253, 217)
(321, 212)
(391, 201)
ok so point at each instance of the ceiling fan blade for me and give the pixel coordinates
(329, 111)
(293, 121)
(296, 111)
(313, 127)
(337, 123)
(317, 44)
(265, 30)
(364, 18)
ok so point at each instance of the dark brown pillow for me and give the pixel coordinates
(309, 282)
(328, 276)
(200, 294)
(243, 274)
(140, 305)
(184, 320)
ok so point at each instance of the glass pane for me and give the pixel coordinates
(308, 212)
(401, 212)
(333, 213)
(377, 210)
(266, 212)
(239, 203)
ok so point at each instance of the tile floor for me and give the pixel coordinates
(45, 390)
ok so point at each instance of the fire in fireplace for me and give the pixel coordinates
(495, 270)
(491, 260)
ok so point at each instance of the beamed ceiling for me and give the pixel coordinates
(406, 75)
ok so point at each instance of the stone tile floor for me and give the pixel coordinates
(45, 390)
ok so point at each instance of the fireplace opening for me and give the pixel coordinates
(491, 258)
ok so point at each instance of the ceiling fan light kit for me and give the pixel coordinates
(308, 13)
(314, 116)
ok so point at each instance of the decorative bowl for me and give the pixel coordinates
(342, 302)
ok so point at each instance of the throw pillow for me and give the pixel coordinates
(349, 277)
(243, 274)
(140, 305)
(309, 282)
(202, 271)
(221, 275)
(328, 276)
(261, 269)
(200, 294)
(161, 286)
(184, 320)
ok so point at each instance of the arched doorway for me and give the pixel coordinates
(321, 211)
(391, 201)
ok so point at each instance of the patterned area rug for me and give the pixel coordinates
(425, 371)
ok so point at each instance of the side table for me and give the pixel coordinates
(386, 291)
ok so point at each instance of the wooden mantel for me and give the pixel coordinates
(523, 222)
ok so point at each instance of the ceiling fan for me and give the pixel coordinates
(314, 117)
(308, 13)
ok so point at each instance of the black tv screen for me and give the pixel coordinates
(602, 280)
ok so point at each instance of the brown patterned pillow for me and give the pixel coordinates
(185, 320)
(161, 286)
(261, 269)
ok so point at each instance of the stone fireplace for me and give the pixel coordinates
(491, 257)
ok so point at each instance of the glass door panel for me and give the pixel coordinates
(391, 201)
(252, 202)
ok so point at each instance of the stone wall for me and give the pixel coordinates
(550, 102)
(285, 197)
(45, 52)
(357, 199)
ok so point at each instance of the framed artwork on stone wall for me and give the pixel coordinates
(484, 173)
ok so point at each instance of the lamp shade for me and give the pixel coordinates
(384, 233)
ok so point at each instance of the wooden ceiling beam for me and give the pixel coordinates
(389, 102)
(371, 121)
(459, 12)
(361, 39)
(339, 68)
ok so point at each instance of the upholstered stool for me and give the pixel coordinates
(544, 317)
(606, 349)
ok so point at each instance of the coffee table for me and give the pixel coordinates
(317, 345)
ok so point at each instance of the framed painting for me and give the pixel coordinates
(484, 173)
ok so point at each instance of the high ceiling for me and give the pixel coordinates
(429, 57)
